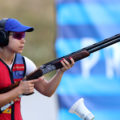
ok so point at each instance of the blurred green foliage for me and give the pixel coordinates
(39, 14)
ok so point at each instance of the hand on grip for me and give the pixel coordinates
(27, 87)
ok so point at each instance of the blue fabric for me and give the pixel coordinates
(14, 25)
(19, 74)
(96, 78)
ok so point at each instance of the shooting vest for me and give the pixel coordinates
(8, 77)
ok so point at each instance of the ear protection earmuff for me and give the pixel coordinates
(4, 37)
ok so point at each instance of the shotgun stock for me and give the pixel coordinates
(56, 64)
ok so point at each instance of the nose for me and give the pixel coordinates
(23, 40)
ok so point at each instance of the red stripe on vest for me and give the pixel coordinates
(18, 67)
(18, 79)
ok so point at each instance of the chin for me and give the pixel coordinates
(19, 52)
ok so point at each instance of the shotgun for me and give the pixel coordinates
(56, 64)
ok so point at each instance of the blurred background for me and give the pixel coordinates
(96, 78)
(62, 27)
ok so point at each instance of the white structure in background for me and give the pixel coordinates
(81, 110)
(39, 107)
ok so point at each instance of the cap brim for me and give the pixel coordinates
(23, 29)
(29, 29)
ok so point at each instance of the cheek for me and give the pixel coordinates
(12, 44)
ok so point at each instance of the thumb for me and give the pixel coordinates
(34, 81)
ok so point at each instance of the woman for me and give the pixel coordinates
(14, 66)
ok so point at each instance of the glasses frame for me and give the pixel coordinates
(17, 35)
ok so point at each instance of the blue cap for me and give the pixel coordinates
(14, 25)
